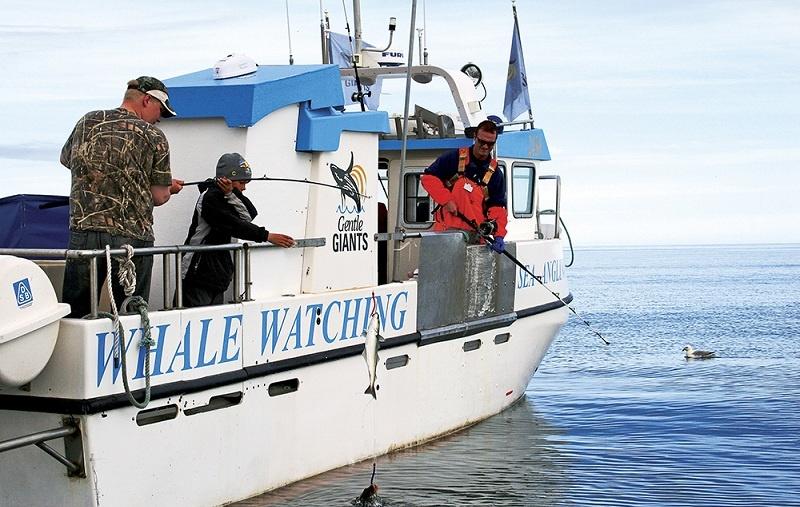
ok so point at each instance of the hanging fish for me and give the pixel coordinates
(371, 345)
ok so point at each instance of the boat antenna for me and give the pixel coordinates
(419, 37)
(422, 34)
(289, 33)
(324, 26)
(424, 59)
(404, 135)
(359, 94)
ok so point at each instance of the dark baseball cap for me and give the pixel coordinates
(234, 167)
(154, 88)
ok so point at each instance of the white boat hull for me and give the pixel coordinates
(267, 441)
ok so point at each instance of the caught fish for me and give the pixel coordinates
(368, 495)
(371, 344)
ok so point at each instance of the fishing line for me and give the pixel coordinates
(290, 180)
(516, 261)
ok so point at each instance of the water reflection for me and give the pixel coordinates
(512, 458)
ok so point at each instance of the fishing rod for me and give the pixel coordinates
(355, 50)
(489, 238)
(307, 181)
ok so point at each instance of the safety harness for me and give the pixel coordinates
(463, 160)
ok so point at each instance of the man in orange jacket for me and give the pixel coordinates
(466, 184)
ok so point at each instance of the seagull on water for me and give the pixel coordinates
(697, 354)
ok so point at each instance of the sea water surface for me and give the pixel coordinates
(631, 423)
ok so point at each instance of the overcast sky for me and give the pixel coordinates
(670, 122)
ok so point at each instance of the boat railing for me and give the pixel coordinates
(424, 124)
(170, 255)
(461, 87)
(526, 124)
(556, 212)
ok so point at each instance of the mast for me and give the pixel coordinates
(357, 30)
(323, 34)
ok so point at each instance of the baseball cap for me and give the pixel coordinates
(234, 167)
(154, 88)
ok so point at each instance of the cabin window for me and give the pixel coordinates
(417, 204)
(522, 179)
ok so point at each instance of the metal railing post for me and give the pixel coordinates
(248, 282)
(178, 282)
(556, 212)
(165, 280)
(558, 207)
(93, 286)
(237, 292)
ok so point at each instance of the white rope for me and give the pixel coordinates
(127, 270)
(114, 312)
(127, 278)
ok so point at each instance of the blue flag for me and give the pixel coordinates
(341, 54)
(517, 100)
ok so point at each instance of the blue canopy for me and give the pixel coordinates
(34, 221)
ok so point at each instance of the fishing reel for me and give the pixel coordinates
(357, 97)
(487, 227)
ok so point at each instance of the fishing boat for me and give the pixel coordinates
(233, 400)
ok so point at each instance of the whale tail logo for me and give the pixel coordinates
(351, 182)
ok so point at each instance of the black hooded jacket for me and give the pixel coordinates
(216, 220)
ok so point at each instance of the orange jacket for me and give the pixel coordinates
(469, 197)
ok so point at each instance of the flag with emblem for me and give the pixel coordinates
(341, 53)
(517, 99)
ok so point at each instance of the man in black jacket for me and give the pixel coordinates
(222, 212)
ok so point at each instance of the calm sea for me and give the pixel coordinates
(632, 423)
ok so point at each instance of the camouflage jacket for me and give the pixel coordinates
(115, 157)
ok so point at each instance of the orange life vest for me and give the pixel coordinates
(464, 192)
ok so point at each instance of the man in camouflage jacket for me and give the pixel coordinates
(120, 170)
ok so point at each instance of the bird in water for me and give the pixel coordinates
(697, 354)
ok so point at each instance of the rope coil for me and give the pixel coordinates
(127, 278)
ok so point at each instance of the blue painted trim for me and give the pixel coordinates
(524, 144)
(243, 101)
(112, 401)
(449, 143)
(320, 129)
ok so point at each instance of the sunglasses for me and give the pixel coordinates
(488, 144)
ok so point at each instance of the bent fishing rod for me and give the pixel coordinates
(309, 182)
(489, 238)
